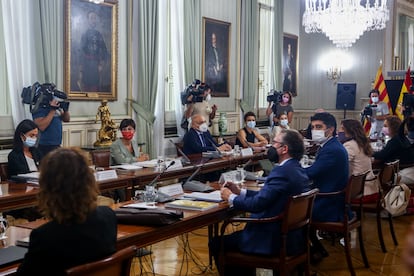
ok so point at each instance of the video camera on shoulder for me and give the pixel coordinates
(39, 95)
(196, 89)
(274, 96)
(368, 110)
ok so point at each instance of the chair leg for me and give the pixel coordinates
(379, 230)
(348, 253)
(394, 238)
(362, 247)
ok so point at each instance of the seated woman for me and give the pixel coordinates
(78, 231)
(279, 123)
(359, 151)
(24, 157)
(249, 136)
(125, 149)
(398, 147)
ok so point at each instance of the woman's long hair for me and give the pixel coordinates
(355, 130)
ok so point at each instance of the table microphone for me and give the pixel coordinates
(195, 185)
(185, 157)
(152, 183)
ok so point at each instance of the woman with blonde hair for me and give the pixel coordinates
(78, 231)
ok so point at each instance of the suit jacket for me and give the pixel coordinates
(120, 154)
(17, 161)
(397, 148)
(329, 173)
(283, 181)
(54, 247)
(192, 143)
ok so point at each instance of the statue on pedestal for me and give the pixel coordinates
(107, 133)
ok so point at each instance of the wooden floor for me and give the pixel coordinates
(169, 258)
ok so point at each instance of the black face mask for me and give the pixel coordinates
(272, 155)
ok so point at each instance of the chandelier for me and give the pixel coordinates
(344, 21)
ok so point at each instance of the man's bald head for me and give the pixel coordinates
(197, 120)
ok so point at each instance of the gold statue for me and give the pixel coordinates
(107, 133)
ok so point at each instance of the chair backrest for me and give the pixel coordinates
(101, 158)
(118, 264)
(4, 171)
(355, 187)
(387, 175)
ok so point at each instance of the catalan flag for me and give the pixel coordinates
(366, 124)
(404, 89)
(379, 85)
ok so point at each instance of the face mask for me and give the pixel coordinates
(385, 131)
(284, 122)
(272, 155)
(285, 99)
(203, 127)
(208, 97)
(374, 99)
(318, 135)
(30, 142)
(128, 135)
(341, 137)
(251, 124)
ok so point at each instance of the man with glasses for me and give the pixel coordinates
(329, 173)
(198, 139)
(285, 180)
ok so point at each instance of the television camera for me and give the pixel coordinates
(196, 89)
(274, 96)
(39, 95)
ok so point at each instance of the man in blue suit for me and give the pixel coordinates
(198, 139)
(329, 173)
(285, 180)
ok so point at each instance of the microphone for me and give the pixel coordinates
(152, 183)
(194, 185)
(185, 157)
(218, 155)
(247, 163)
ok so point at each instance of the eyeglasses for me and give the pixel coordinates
(277, 142)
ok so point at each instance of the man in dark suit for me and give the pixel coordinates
(285, 180)
(198, 139)
(329, 173)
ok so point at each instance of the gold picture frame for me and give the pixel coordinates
(216, 59)
(91, 34)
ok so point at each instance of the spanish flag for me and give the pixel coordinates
(404, 89)
(379, 85)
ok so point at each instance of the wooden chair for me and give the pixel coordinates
(4, 171)
(101, 158)
(296, 215)
(386, 180)
(118, 264)
(354, 190)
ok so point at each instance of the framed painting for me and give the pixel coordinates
(216, 56)
(91, 32)
(290, 62)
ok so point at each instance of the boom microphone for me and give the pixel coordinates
(185, 157)
(152, 183)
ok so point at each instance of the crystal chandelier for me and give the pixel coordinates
(344, 21)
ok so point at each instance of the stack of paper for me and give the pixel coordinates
(212, 196)
(191, 204)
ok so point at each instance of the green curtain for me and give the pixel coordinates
(277, 42)
(145, 67)
(52, 35)
(192, 40)
(249, 51)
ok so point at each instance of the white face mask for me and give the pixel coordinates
(203, 127)
(318, 135)
(284, 122)
(208, 97)
(30, 142)
(251, 124)
(374, 99)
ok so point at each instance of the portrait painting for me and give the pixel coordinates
(290, 59)
(91, 49)
(216, 52)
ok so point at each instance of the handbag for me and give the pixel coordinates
(150, 217)
(397, 199)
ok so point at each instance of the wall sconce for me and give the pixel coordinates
(334, 74)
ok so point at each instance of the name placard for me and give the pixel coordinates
(172, 190)
(105, 175)
(246, 152)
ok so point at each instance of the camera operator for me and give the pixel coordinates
(377, 113)
(49, 120)
(198, 102)
(280, 103)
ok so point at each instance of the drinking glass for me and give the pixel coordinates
(239, 176)
(160, 163)
(150, 195)
(236, 150)
(4, 224)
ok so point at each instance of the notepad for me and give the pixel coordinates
(126, 167)
(195, 205)
(212, 196)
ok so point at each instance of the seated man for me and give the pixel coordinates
(285, 180)
(329, 173)
(198, 139)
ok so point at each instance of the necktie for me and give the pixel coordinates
(202, 139)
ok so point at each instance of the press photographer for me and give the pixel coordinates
(196, 98)
(376, 112)
(279, 103)
(49, 107)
